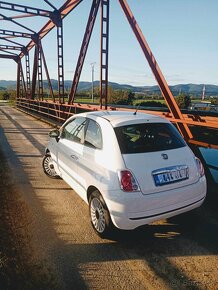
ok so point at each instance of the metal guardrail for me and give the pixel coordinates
(60, 112)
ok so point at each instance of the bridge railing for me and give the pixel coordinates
(204, 128)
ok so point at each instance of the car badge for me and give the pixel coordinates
(165, 156)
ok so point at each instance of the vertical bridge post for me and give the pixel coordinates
(184, 129)
(83, 49)
(104, 52)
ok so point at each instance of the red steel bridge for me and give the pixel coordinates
(30, 91)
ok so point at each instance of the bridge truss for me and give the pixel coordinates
(30, 90)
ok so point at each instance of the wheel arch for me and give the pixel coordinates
(90, 190)
(93, 188)
(108, 223)
(47, 151)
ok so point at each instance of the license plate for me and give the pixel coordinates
(171, 174)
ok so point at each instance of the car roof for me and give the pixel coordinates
(118, 118)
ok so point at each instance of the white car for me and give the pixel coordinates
(131, 168)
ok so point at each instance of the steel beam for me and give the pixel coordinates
(60, 61)
(47, 75)
(50, 4)
(35, 71)
(104, 52)
(170, 100)
(18, 16)
(10, 47)
(16, 23)
(23, 81)
(24, 9)
(20, 82)
(15, 33)
(6, 56)
(21, 86)
(27, 61)
(8, 52)
(18, 78)
(66, 8)
(84, 47)
(40, 78)
(14, 42)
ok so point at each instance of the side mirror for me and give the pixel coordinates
(54, 134)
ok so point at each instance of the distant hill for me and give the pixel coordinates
(83, 86)
(7, 84)
(194, 89)
(210, 90)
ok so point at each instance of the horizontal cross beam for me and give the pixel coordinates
(8, 52)
(16, 23)
(24, 9)
(15, 33)
(11, 41)
(67, 7)
(18, 16)
(10, 47)
(7, 56)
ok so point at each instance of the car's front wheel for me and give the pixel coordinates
(48, 166)
(99, 215)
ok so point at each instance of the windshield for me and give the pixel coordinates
(141, 138)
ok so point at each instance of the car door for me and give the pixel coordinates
(69, 149)
(90, 169)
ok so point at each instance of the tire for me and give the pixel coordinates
(99, 215)
(48, 167)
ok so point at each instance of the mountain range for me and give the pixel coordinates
(193, 89)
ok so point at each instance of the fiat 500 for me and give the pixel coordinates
(131, 168)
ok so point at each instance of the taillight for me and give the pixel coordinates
(200, 167)
(128, 181)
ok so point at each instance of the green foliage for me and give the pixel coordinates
(8, 95)
(183, 101)
(120, 97)
(4, 95)
(214, 101)
(151, 104)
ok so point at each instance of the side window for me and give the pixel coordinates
(93, 136)
(74, 130)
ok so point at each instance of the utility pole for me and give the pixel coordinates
(203, 93)
(93, 71)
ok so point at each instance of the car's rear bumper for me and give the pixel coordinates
(131, 210)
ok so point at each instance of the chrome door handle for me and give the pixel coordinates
(74, 157)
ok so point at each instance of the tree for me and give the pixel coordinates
(131, 97)
(183, 101)
(214, 101)
(6, 95)
(110, 94)
(152, 104)
(123, 97)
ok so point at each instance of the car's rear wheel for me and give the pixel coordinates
(99, 215)
(48, 166)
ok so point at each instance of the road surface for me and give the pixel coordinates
(179, 253)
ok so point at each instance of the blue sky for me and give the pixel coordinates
(182, 34)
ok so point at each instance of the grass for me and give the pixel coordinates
(86, 100)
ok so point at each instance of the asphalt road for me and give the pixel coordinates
(179, 253)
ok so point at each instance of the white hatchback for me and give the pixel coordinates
(131, 168)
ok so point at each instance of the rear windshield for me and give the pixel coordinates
(141, 138)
